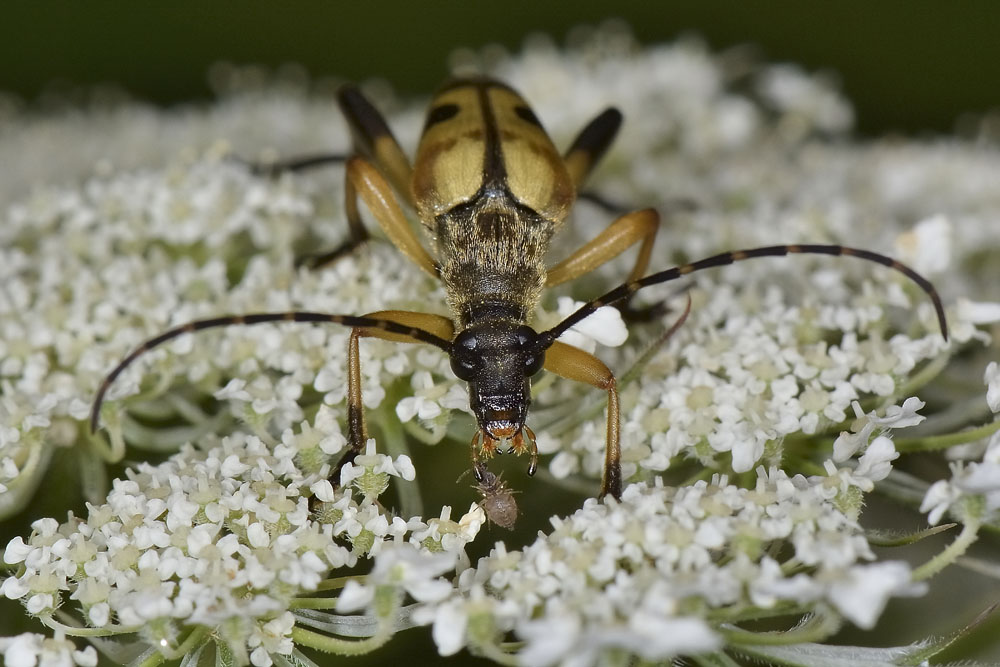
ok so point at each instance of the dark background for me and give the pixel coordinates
(908, 66)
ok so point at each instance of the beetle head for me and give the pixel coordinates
(497, 359)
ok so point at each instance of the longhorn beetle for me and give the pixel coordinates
(490, 189)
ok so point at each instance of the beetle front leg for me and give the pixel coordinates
(357, 431)
(637, 227)
(575, 364)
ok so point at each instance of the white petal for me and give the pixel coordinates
(992, 379)
(862, 591)
(978, 312)
(450, 623)
(355, 596)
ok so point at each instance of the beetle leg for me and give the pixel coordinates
(628, 229)
(477, 465)
(575, 364)
(374, 190)
(357, 432)
(533, 448)
(374, 141)
(297, 163)
(358, 233)
(591, 144)
(375, 145)
(624, 232)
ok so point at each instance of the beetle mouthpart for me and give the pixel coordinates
(490, 446)
(501, 429)
(523, 442)
(519, 444)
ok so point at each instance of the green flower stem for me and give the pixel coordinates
(167, 440)
(329, 644)
(337, 583)
(149, 659)
(936, 442)
(926, 374)
(970, 531)
(745, 613)
(194, 638)
(112, 451)
(111, 418)
(815, 628)
(496, 654)
(635, 370)
(75, 631)
(417, 431)
(387, 605)
(257, 424)
(313, 603)
(566, 424)
(805, 466)
(718, 659)
(410, 500)
(186, 408)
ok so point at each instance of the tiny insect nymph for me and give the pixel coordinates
(498, 500)
(490, 190)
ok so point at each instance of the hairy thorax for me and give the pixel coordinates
(492, 257)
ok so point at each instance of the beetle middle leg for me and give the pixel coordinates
(624, 232)
(635, 227)
(357, 432)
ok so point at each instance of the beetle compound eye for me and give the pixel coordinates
(467, 341)
(465, 356)
(533, 363)
(463, 366)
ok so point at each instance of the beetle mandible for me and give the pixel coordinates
(490, 189)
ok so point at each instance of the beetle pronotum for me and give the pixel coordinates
(490, 189)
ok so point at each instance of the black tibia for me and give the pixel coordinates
(296, 163)
(318, 261)
(358, 233)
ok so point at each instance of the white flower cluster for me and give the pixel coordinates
(30, 649)
(654, 574)
(973, 492)
(749, 375)
(222, 539)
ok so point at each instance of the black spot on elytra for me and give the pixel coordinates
(527, 115)
(439, 114)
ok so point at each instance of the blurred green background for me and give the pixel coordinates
(908, 66)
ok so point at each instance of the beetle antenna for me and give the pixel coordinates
(259, 318)
(722, 259)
